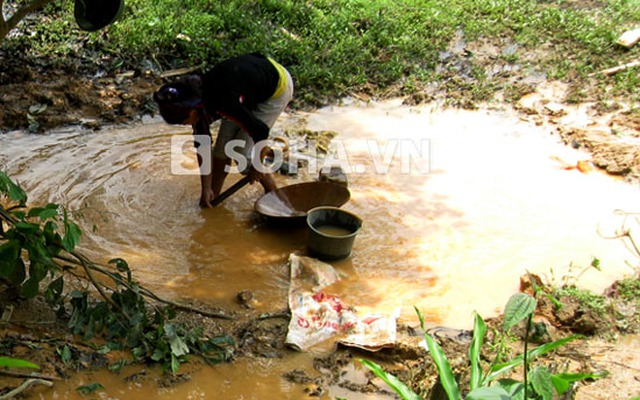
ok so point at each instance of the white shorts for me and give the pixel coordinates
(267, 112)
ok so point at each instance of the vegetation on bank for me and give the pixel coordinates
(38, 257)
(376, 47)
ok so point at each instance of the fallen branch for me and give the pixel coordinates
(24, 386)
(89, 265)
(619, 68)
(31, 375)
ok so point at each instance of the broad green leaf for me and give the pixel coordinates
(27, 227)
(50, 211)
(514, 388)
(37, 270)
(541, 381)
(71, 236)
(561, 385)
(488, 393)
(157, 355)
(14, 191)
(519, 307)
(46, 212)
(475, 349)
(562, 382)
(9, 256)
(15, 272)
(30, 288)
(394, 383)
(16, 363)
(178, 346)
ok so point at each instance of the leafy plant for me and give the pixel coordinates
(538, 382)
(11, 362)
(38, 248)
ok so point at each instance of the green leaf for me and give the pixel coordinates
(157, 355)
(27, 227)
(514, 388)
(90, 388)
(71, 236)
(49, 211)
(11, 265)
(541, 382)
(447, 378)
(175, 363)
(178, 347)
(519, 307)
(30, 288)
(14, 191)
(122, 266)
(488, 393)
(475, 349)
(9, 257)
(53, 293)
(16, 363)
(562, 382)
(595, 263)
(117, 366)
(394, 383)
(500, 369)
(65, 354)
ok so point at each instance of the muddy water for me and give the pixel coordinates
(457, 205)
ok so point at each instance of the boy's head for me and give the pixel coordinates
(177, 100)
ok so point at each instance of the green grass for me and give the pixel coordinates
(628, 289)
(586, 299)
(333, 47)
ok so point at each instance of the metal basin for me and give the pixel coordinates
(293, 201)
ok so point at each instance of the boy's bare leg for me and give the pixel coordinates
(218, 174)
(267, 182)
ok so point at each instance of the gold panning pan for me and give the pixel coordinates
(293, 201)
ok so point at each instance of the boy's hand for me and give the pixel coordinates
(206, 197)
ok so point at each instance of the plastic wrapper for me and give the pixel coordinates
(321, 320)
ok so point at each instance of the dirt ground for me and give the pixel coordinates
(41, 98)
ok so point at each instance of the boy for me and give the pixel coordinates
(248, 92)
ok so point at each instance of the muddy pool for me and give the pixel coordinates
(456, 205)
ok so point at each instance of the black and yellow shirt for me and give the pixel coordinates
(233, 89)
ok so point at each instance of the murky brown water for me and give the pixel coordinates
(450, 229)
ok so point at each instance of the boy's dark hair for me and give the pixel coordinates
(175, 100)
